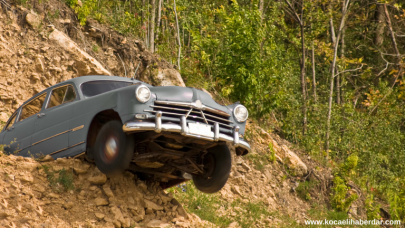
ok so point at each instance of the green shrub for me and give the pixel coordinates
(339, 201)
(372, 209)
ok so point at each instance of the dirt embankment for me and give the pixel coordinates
(74, 193)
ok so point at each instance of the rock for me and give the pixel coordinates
(142, 186)
(234, 225)
(239, 179)
(28, 166)
(98, 179)
(151, 205)
(119, 217)
(53, 195)
(81, 169)
(157, 224)
(3, 117)
(68, 205)
(99, 215)
(180, 208)
(163, 77)
(100, 201)
(235, 189)
(107, 191)
(33, 20)
(84, 63)
(64, 21)
(246, 167)
(39, 65)
(293, 161)
(27, 178)
(47, 158)
(165, 199)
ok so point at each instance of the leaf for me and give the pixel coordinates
(393, 72)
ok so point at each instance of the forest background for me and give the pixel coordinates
(326, 75)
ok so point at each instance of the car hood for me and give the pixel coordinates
(186, 94)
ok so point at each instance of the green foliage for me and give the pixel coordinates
(397, 202)
(304, 189)
(339, 200)
(58, 179)
(272, 154)
(207, 207)
(95, 48)
(372, 208)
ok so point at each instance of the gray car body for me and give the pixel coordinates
(62, 131)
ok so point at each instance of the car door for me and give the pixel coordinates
(51, 131)
(18, 136)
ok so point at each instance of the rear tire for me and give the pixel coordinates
(113, 149)
(221, 164)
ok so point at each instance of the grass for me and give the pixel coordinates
(304, 189)
(59, 180)
(212, 208)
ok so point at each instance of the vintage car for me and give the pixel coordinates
(167, 133)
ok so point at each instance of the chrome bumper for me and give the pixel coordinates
(159, 127)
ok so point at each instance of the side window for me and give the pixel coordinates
(33, 107)
(10, 123)
(61, 95)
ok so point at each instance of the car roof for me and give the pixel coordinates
(79, 80)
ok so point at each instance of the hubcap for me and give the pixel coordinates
(111, 148)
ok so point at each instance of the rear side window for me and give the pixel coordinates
(94, 88)
(61, 95)
(33, 107)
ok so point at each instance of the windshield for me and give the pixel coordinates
(94, 88)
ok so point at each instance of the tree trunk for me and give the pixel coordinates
(152, 27)
(332, 77)
(313, 70)
(342, 56)
(178, 34)
(261, 7)
(380, 21)
(395, 46)
(159, 18)
(303, 84)
(143, 19)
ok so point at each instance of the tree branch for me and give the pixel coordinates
(349, 70)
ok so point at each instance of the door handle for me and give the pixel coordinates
(41, 115)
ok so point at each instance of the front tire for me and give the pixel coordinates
(113, 149)
(217, 164)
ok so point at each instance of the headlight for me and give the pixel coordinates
(142, 93)
(241, 113)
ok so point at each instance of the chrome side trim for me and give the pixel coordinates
(73, 129)
(51, 137)
(66, 148)
(131, 127)
(78, 128)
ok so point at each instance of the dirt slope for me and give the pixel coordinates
(74, 193)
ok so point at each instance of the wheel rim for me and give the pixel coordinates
(110, 148)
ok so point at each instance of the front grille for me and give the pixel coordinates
(210, 116)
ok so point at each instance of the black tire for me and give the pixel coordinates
(113, 149)
(219, 171)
